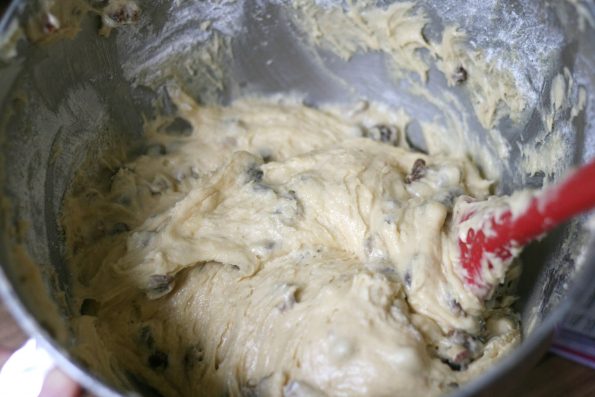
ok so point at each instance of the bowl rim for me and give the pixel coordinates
(540, 337)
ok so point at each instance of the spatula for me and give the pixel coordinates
(493, 246)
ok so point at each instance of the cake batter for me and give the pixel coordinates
(273, 249)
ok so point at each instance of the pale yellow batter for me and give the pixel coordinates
(272, 249)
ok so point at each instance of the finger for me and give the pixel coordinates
(58, 384)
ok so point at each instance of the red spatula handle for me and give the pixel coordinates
(499, 236)
(574, 195)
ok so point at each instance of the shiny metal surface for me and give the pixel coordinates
(68, 99)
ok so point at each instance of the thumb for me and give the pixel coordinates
(58, 384)
(4, 355)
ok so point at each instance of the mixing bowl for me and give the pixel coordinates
(77, 82)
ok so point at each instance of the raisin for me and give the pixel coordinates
(460, 75)
(455, 306)
(179, 127)
(194, 355)
(467, 348)
(89, 307)
(50, 23)
(127, 13)
(254, 173)
(417, 171)
(119, 228)
(453, 365)
(382, 133)
(146, 337)
(158, 361)
(407, 279)
(159, 285)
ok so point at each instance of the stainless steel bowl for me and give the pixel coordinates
(64, 99)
